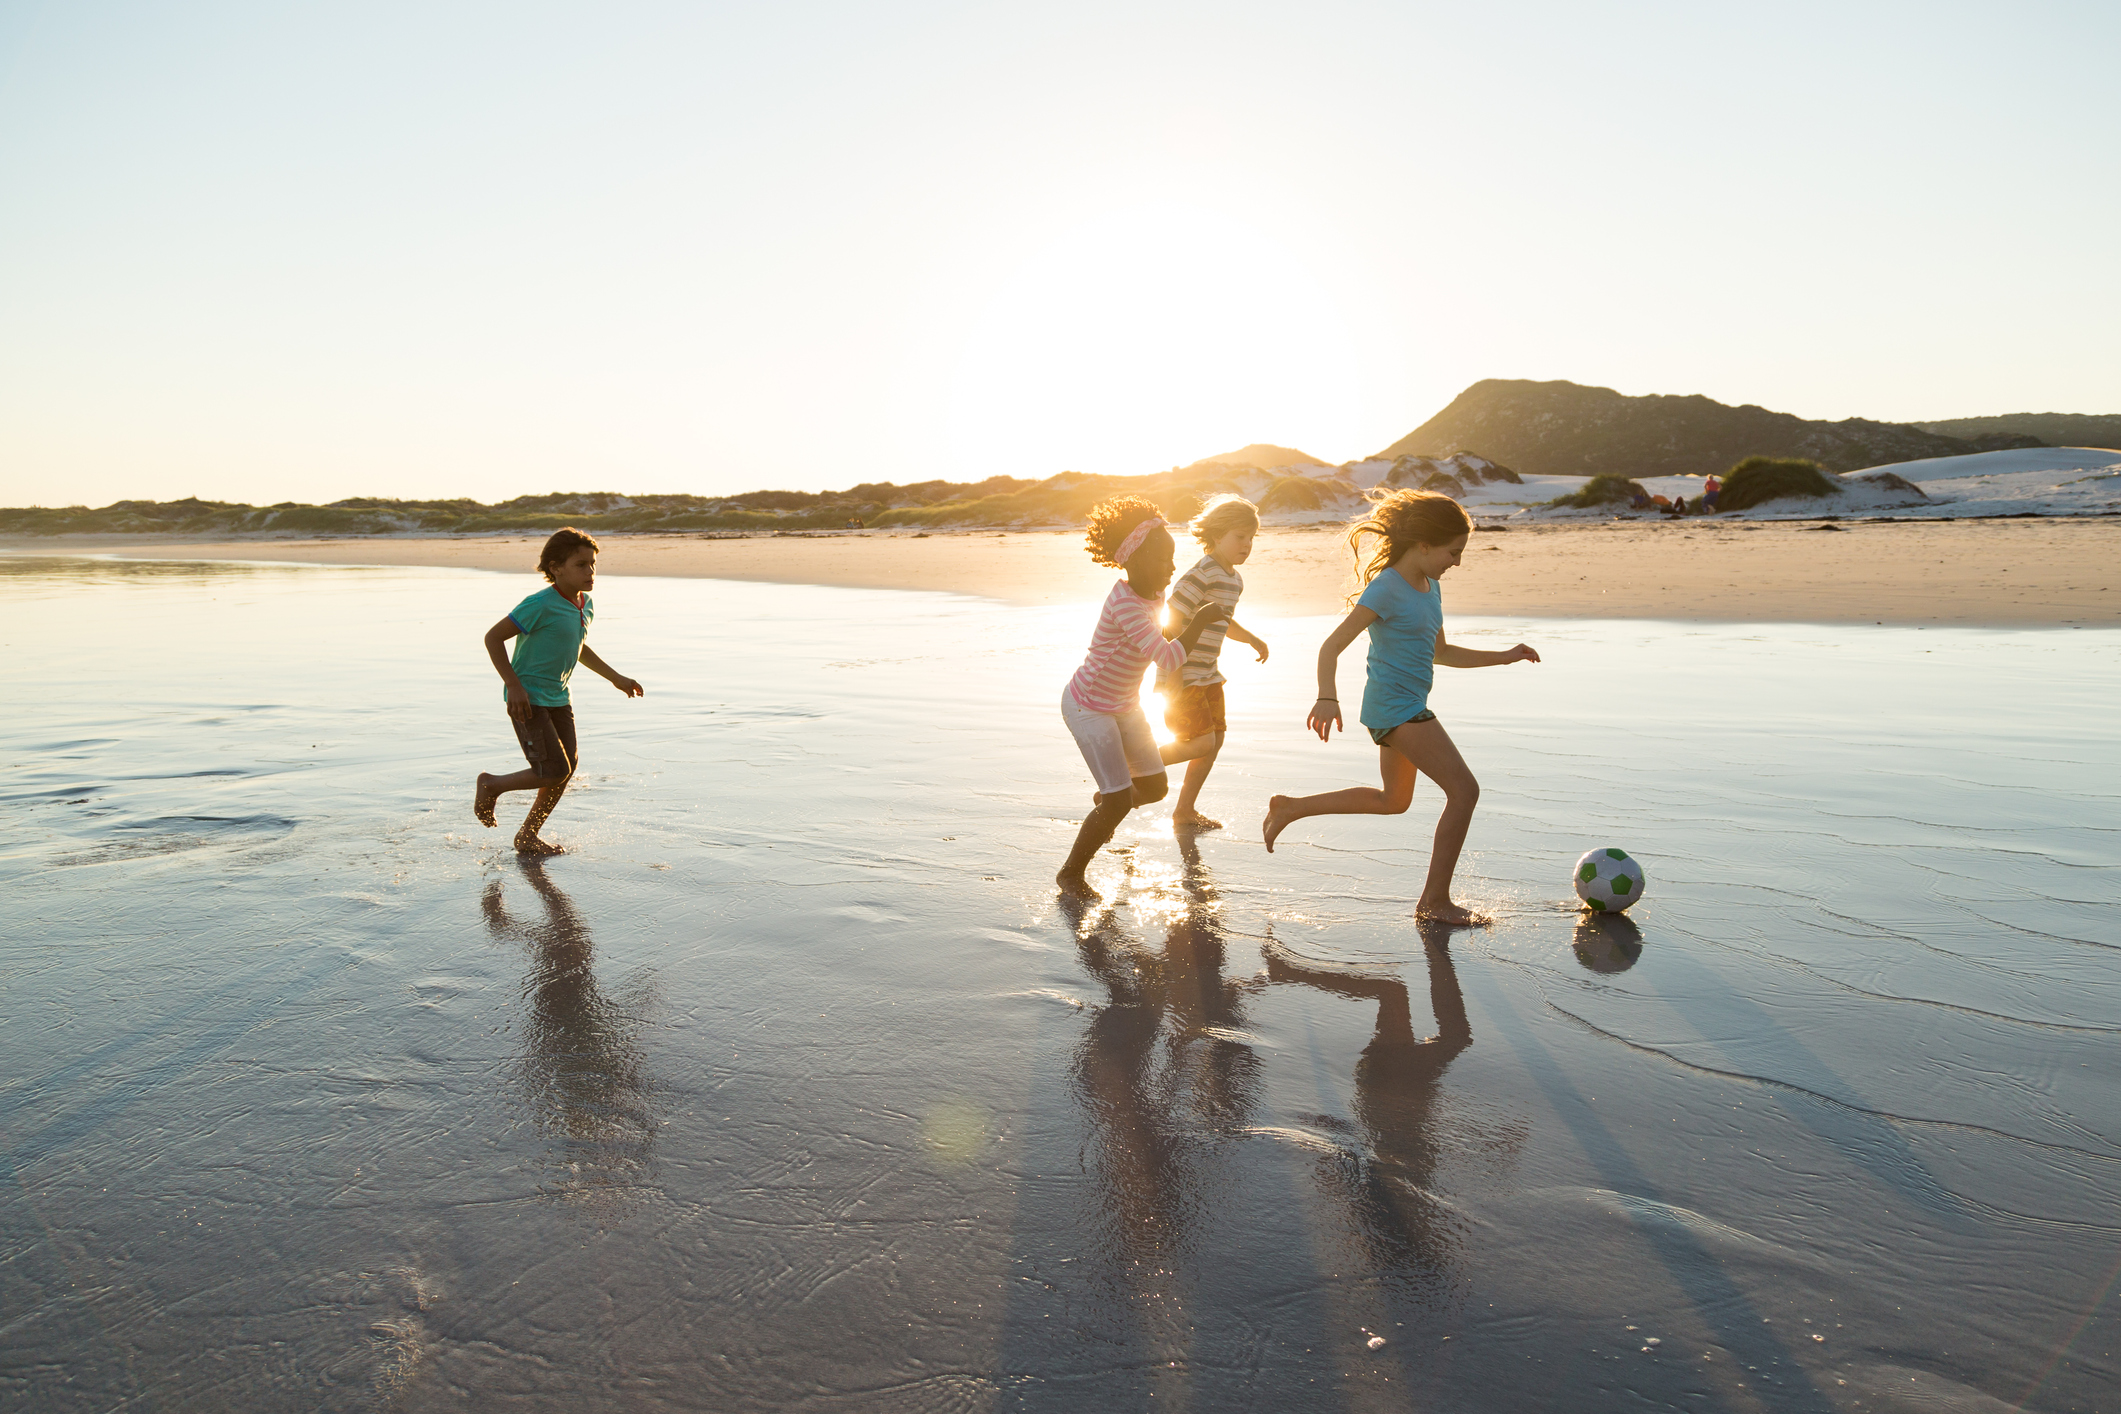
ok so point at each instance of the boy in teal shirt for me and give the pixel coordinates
(553, 628)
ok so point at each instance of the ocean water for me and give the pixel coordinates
(791, 1086)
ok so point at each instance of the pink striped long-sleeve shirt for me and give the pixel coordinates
(1127, 641)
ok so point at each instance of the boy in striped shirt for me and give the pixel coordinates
(1193, 693)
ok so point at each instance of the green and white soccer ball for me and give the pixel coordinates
(1608, 881)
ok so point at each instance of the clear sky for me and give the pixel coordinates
(270, 251)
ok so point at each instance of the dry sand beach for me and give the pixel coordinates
(1997, 573)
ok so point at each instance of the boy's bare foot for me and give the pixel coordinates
(535, 846)
(1451, 915)
(1075, 886)
(482, 800)
(1278, 819)
(1193, 820)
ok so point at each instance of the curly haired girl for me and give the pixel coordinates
(1419, 535)
(1102, 702)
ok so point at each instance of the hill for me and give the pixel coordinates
(2057, 429)
(999, 500)
(1263, 456)
(1567, 429)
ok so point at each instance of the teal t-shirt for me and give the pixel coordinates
(549, 644)
(1402, 649)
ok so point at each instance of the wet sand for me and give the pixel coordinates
(1995, 573)
(792, 1086)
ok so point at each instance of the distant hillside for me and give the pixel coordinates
(604, 510)
(2057, 429)
(999, 500)
(1567, 429)
(1263, 455)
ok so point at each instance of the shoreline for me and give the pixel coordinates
(2006, 572)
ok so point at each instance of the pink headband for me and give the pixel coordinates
(1134, 539)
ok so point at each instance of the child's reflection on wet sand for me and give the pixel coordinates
(1156, 1063)
(1166, 1077)
(1390, 1184)
(581, 1074)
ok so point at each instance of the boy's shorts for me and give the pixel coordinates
(1195, 711)
(547, 737)
(1378, 734)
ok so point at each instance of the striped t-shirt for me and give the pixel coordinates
(1126, 642)
(1206, 583)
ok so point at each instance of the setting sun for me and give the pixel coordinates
(1151, 336)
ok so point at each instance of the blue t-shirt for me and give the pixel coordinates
(553, 631)
(1402, 649)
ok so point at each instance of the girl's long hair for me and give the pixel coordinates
(1110, 521)
(1400, 520)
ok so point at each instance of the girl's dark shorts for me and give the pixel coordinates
(1195, 711)
(547, 736)
(1378, 734)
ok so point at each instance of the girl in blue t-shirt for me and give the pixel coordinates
(1419, 535)
(551, 629)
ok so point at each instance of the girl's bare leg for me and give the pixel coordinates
(491, 788)
(1429, 747)
(1185, 813)
(1397, 793)
(1414, 746)
(1099, 826)
(527, 841)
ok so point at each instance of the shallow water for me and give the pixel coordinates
(790, 1087)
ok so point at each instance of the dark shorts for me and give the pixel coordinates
(1195, 711)
(1378, 734)
(547, 736)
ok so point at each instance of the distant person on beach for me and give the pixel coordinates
(1419, 535)
(1102, 703)
(1709, 489)
(552, 626)
(1193, 693)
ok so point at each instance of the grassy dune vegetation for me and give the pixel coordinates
(1601, 491)
(1757, 480)
(999, 500)
(1750, 483)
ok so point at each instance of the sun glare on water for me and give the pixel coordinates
(1147, 338)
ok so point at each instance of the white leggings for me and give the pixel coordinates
(1117, 747)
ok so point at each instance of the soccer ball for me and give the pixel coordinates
(1608, 881)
